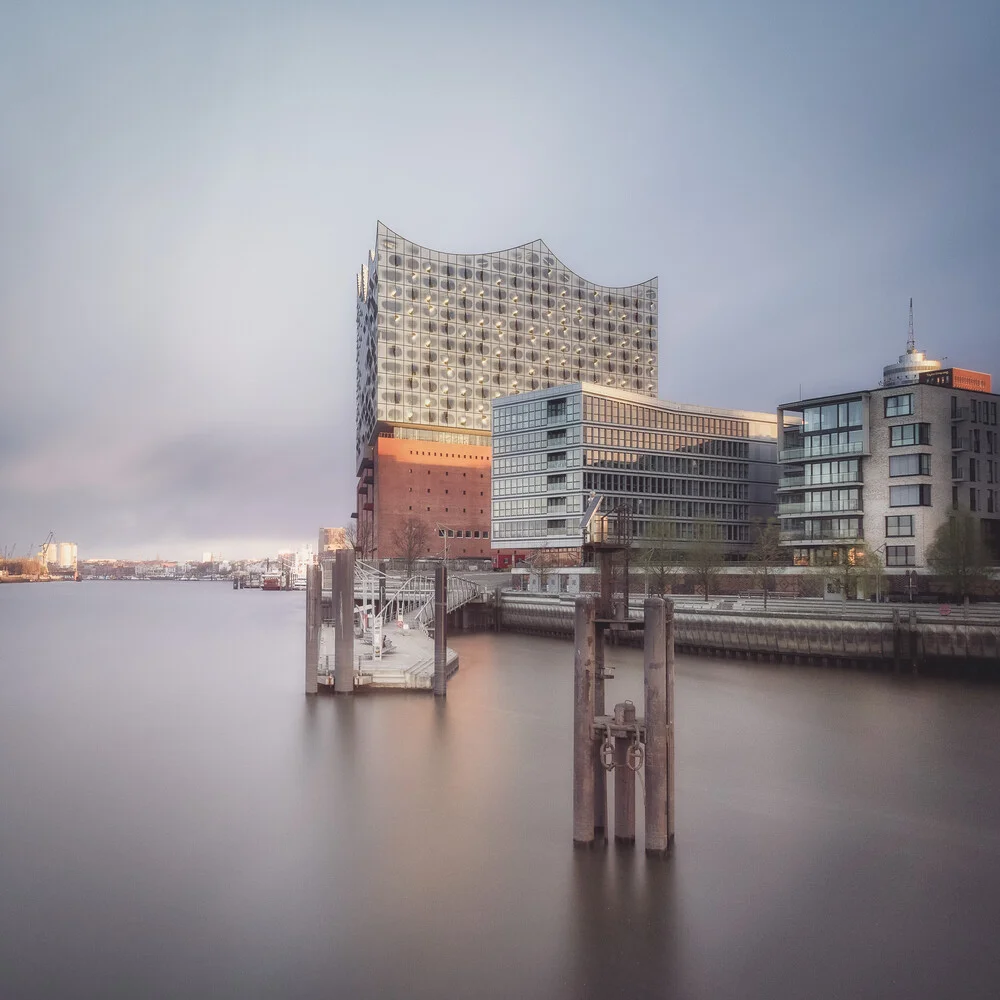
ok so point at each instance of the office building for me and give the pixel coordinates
(442, 335)
(887, 466)
(674, 467)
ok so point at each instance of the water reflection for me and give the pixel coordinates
(178, 820)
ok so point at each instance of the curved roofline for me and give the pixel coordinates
(516, 246)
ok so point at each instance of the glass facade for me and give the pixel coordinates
(441, 335)
(672, 466)
(816, 483)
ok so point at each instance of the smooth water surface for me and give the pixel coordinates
(178, 820)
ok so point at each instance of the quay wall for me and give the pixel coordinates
(905, 644)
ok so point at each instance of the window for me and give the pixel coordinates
(475, 534)
(909, 496)
(907, 434)
(972, 499)
(556, 408)
(486, 534)
(899, 526)
(899, 406)
(910, 465)
(900, 555)
(975, 440)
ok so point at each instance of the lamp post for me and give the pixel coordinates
(444, 529)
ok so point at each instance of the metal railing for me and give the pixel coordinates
(820, 451)
(848, 506)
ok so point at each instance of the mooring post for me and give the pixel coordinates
(655, 684)
(600, 775)
(314, 611)
(343, 610)
(671, 625)
(584, 747)
(440, 630)
(897, 639)
(914, 636)
(624, 778)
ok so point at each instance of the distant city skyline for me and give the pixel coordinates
(188, 191)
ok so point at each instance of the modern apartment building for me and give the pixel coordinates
(887, 466)
(672, 466)
(442, 335)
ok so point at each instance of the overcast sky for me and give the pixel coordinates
(187, 190)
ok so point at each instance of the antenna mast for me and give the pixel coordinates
(911, 344)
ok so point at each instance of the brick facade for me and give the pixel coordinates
(444, 485)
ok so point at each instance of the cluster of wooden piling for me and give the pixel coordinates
(622, 742)
(342, 568)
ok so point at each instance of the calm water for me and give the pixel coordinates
(177, 820)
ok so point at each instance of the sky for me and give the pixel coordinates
(187, 190)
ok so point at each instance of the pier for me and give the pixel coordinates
(369, 630)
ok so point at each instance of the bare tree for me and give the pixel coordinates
(659, 557)
(855, 566)
(706, 556)
(540, 562)
(767, 553)
(959, 554)
(410, 540)
(359, 536)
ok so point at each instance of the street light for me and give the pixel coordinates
(444, 531)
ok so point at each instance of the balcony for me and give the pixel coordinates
(820, 451)
(959, 475)
(960, 443)
(801, 537)
(812, 509)
(791, 482)
(837, 479)
(960, 413)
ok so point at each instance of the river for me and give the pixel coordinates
(178, 820)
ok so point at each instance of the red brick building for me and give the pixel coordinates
(444, 486)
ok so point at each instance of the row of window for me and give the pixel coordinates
(463, 533)
(845, 470)
(535, 528)
(615, 437)
(535, 440)
(905, 435)
(983, 411)
(910, 465)
(899, 406)
(976, 470)
(516, 416)
(514, 465)
(832, 416)
(910, 496)
(975, 503)
(631, 461)
(515, 486)
(612, 411)
(535, 506)
(603, 482)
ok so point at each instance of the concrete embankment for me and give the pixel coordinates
(898, 639)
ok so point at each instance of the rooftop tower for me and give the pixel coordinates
(911, 365)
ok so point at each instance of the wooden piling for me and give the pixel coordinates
(600, 775)
(656, 695)
(314, 612)
(343, 610)
(670, 628)
(584, 746)
(440, 630)
(624, 778)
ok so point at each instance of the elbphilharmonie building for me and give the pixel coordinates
(439, 336)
